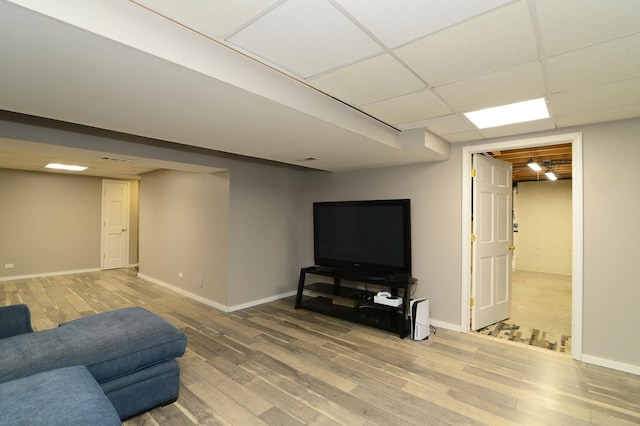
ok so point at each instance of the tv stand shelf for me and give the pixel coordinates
(348, 302)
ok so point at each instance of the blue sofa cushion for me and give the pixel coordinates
(110, 345)
(14, 320)
(66, 396)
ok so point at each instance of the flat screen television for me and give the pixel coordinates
(365, 238)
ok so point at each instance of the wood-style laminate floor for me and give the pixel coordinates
(274, 365)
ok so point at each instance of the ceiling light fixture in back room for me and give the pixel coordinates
(533, 165)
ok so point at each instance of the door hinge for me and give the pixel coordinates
(473, 173)
(473, 238)
(472, 302)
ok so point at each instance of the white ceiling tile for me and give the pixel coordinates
(306, 37)
(515, 84)
(602, 63)
(613, 114)
(396, 23)
(413, 107)
(569, 24)
(217, 18)
(369, 81)
(601, 98)
(501, 38)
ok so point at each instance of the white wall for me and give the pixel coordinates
(544, 216)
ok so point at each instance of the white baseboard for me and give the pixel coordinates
(186, 293)
(608, 363)
(211, 303)
(261, 301)
(49, 274)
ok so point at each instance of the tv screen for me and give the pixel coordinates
(363, 237)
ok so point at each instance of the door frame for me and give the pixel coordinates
(577, 225)
(102, 220)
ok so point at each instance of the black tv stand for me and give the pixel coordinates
(347, 301)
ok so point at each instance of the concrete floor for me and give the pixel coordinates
(541, 301)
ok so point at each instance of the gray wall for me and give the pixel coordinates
(611, 205)
(270, 234)
(50, 222)
(184, 230)
(264, 232)
(611, 200)
(238, 230)
(435, 230)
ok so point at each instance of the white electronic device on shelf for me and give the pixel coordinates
(385, 298)
(420, 325)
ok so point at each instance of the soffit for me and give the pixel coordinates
(34, 156)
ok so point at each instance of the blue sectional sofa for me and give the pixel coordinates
(130, 353)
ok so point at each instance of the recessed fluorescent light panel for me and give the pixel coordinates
(65, 167)
(519, 112)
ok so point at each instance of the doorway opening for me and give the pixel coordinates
(114, 247)
(575, 140)
(540, 313)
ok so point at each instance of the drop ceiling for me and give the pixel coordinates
(351, 83)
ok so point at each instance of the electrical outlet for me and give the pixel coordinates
(8, 265)
(179, 274)
(200, 282)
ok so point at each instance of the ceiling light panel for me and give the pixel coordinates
(413, 107)
(369, 81)
(216, 18)
(68, 167)
(477, 46)
(520, 112)
(519, 128)
(306, 37)
(584, 22)
(398, 23)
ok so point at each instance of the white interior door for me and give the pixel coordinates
(115, 224)
(492, 244)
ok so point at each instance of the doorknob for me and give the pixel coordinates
(511, 247)
(123, 230)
